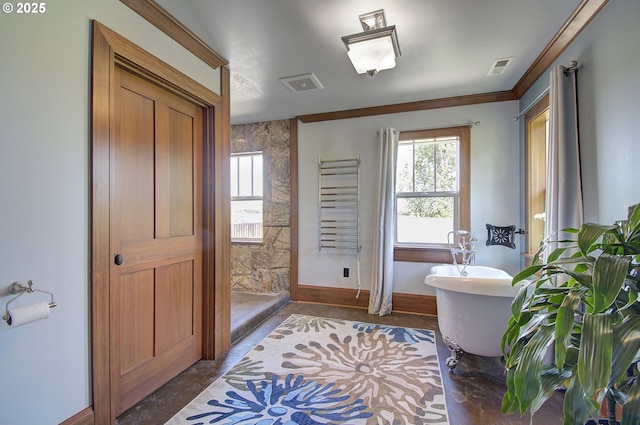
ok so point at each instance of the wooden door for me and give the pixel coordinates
(156, 231)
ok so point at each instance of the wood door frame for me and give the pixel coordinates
(109, 49)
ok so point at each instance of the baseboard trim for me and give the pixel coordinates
(408, 303)
(415, 303)
(84, 417)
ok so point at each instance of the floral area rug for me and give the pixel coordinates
(313, 370)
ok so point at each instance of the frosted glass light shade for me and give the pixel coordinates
(372, 55)
(374, 50)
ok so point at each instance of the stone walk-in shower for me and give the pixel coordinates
(260, 269)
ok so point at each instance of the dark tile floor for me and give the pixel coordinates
(473, 392)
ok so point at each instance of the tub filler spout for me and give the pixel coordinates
(473, 309)
(462, 245)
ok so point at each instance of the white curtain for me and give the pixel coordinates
(563, 203)
(382, 286)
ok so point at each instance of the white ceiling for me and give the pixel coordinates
(447, 49)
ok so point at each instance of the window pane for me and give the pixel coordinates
(425, 167)
(234, 176)
(257, 175)
(404, 169)
(447, 167)
(424, 220)
(245, 176)
(246, 219)
(246, 182)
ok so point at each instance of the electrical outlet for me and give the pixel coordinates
(345, 272)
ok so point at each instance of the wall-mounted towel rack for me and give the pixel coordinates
(339, 204)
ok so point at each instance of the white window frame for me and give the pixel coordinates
(253, 197)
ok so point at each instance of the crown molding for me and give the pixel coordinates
(421, 105)
(165, 22)
(579, 19)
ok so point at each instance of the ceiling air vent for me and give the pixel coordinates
(304, 82)
(499, 66)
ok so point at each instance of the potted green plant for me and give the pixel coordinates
(582, 301)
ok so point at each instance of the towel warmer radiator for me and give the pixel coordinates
(339, 204)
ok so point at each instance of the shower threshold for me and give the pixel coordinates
(248, 310)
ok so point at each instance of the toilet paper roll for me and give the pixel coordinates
(30, 313)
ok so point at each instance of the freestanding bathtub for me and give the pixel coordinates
(473, 310)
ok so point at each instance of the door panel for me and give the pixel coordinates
(156, 293)
(174, 306)
(174, 174)
(136, 289)
(134, 163)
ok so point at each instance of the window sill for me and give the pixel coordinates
(247, 241)
(528, 258)
(422, 255)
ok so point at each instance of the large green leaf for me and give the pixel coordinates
(631, 409)
(527, 373)
(550, 380)
(630, 299)
(564, 325)
(533, 325)
(556, 254)
(510, 336)
(595, 356)
(509, 400)
(518, 302)
(576, 408)
(633, 221)
(512, 359)
(551, 291)
(589, 235)
(609, 274)
(529, 271)
(626, 344)
(582, 278)
(574, 260)
(571, 359)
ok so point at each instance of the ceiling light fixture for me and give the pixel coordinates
(376, 48)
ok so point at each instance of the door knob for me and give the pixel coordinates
(118, 259)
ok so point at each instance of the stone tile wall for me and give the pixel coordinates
(264, 268)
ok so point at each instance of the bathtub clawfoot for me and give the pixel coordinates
(473, 310)
(456, 353)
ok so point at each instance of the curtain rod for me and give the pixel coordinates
(573, 67)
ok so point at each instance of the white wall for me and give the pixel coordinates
(45, 369)
(495, 195)
(608, 52)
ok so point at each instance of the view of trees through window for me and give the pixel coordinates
(426, 190)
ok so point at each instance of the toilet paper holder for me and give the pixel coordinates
(20, 289)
